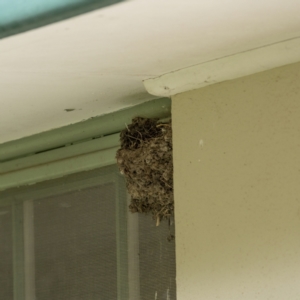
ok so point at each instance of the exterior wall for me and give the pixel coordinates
(237, 188)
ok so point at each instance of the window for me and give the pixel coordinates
(73, 238)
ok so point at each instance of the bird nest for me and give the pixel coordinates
(145, 159)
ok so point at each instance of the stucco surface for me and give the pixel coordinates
(237, 188)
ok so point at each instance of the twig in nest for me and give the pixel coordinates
(149, 184)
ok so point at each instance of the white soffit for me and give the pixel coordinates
(95, 63)
(225, 68)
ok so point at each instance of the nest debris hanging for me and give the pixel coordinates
(145, 159)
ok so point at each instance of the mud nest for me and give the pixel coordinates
(145, 159)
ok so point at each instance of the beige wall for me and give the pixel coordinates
(237, 188)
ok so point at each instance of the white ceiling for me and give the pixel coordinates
(95, 63)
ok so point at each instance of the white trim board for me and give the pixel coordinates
(225, 68)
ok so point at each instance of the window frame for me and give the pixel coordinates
(79, 147)
(17, 199)
(74, 148)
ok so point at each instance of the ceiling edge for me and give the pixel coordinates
(225, 68)
(93, 128)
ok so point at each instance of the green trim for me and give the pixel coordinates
(60, 153)
(95, 127)
(58, 168)
(122, 236)
(29, 250)
(43, 190)
(79, 147)
(18, 250)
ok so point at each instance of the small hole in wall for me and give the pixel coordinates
(69, 109)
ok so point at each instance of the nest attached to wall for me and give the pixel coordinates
(145, 159)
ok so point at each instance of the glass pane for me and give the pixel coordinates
(75, 245)
(75, 237)
(157, 260)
